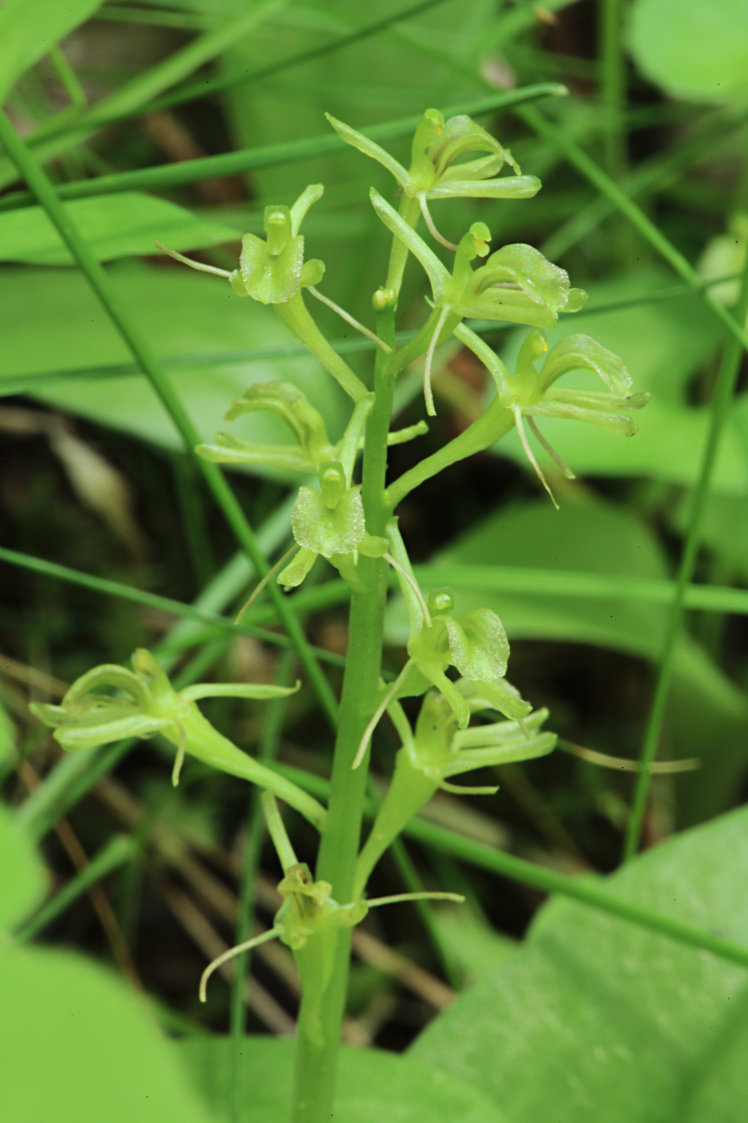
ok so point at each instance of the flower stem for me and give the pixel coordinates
(489, 428)
(322, 1006)
(295, 315)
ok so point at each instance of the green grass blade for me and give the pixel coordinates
(726, 380)
(114, 853)
(27, 36)
(209, 88)
(248, 159)
(146, 85)
(584, 164)
(586, 890)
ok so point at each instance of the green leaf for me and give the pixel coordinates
(372, 1085)
(599, 1021)
(23, 883)
(692, 50)
(183, 316)
(101, 1054)
(26, 36)
(114, 226)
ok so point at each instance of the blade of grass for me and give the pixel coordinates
(209, 87)
(214, 478)
(584, 164)
(146, 85)
(649, 176)
(585, 889)
(212, 621)
(185, 21)
(68, 77)
(501, 579)
(723, 392)
(116, 852)
(585, 586)
(247, 159)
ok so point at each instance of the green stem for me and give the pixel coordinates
(613, 86)
(322, 1007)
(410, 212)
(295, 315)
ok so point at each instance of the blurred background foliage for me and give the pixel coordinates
(132, 114)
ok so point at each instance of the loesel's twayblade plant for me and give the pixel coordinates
(470, 716)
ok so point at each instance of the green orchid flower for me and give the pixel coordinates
(144, 703)
(475, 645)
(516, 284)
(309, 918)
(440, 747)
(532, 393)
(329, 522)
(273, 271)
(313, 445)
(438, 169)
(437, 749)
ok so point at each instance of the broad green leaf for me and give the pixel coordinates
(599, 1021)
(183, 316)
(77, 1046)
(724, 530)
(113, 225)
(22, 880)
(708, 715)
(372, 1085)
(693, 50)
(472, 944)
(26, 35)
